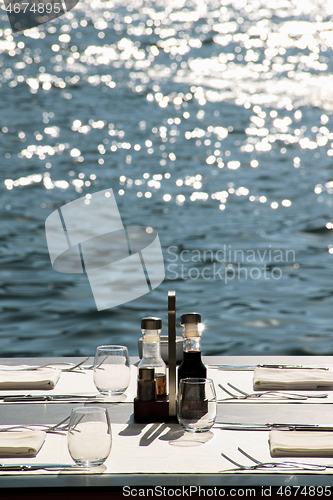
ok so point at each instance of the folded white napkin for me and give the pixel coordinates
(21, 444)
(43, 378)
(301, 444)
(284, 378)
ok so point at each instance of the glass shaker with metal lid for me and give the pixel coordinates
(151, 352)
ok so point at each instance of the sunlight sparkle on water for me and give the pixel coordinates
(271, 69)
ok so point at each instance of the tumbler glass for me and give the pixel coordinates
(111, 369)
(89, 437)
(196, 405)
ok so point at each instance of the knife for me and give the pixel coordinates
(271, 426)
(55, 397)
(252, 367)
(29, 467)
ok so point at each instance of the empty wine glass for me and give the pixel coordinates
(111, 369)
(89, 436)
(196, 405)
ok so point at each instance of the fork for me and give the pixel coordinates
(273, 465)
(279, 393)
(48, 428)
(277, 464)
(70, 369)
(283, 395)
(264, 465)
(256, 396)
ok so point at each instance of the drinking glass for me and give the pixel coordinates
(111, 369)
(89, 436)
(196, 405)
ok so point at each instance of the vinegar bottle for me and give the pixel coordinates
(151, 352)
(191, 366)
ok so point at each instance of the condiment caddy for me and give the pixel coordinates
(153, 403)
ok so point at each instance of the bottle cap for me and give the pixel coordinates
(151, 323)
(190, 319)
(146, 373)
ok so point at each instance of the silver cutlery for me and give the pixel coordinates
(71, 368)
(252, 367)
(240, 426)
(279, 393)
(60, 426)
(272, 394)
(31, 467)
(285, 465)
(265, 465)
(56, 397)
(278, 464)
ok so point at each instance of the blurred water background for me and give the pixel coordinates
(212, 122)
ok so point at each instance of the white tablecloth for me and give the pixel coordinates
(162, 448)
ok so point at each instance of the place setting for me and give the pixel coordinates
(109, 379)
(78, 444)
(273, 383)
(88, 428)
(279, 451)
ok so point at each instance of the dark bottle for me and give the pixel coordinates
(146, 385)
(191, 366)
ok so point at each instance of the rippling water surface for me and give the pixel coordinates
(212, 122)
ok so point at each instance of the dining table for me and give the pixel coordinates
(161, 453)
